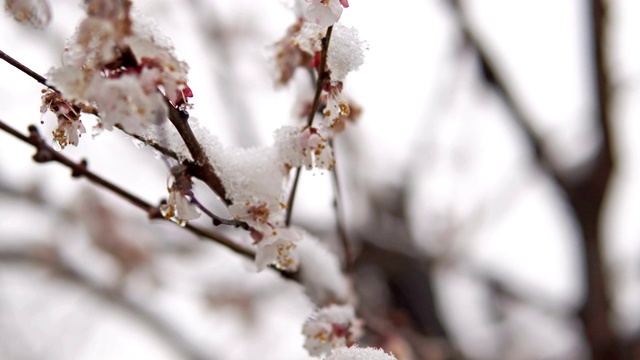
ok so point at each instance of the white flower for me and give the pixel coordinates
(261, 216)
(278, 249)
(306, 147)
(179, 208)
(67, 132)
(356, 353)
(324, 12)
(330, 328)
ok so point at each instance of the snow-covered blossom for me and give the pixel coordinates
(346, 50)
(262, 217)
(356, 353)
(278, 249)
(37, 12)
(70, 127)
(330, 328)
(309, 38)
(306, 147)
(320, 273)
(118, 68)
(130, 100)
(325, 12)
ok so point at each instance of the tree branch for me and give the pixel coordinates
(323, 76)
(585, 195)
(45, 153)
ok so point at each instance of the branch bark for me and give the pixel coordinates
(586, 195)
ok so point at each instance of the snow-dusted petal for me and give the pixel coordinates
(306, 147)
(356, 353)
(278, 249)
(323, 12)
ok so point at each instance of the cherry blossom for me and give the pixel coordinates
(278, 249)
(306, 147)
(325, 12)
(330, 328)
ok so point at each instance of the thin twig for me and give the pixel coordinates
(339, 213)
(45, 153)
(16, 64)
(323, 76)
(217, 220)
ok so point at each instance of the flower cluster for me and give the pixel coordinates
(117, 70)
(329, 328)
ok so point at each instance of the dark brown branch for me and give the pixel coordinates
(48, 258)
(584, 195)
(217, 220)
(15, 63)
(201, 166)
(45, 153)
(323, 76)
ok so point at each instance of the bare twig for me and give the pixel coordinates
(323, 76)
(18, 65)
(45, 153)
(217, 220)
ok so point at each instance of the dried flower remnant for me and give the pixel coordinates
(325, 12)
(70, 127)
(288, 56)
(329, 328)
(179, 207)
(36, 12)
